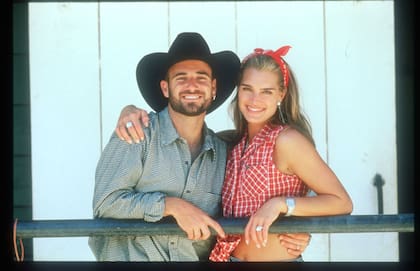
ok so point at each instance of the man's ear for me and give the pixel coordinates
(214, 87)
(164, 88)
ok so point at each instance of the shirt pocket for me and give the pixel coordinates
(254, 180)
(208, 202)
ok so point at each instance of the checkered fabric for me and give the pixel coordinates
(251, 179)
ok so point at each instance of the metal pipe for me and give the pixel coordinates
(379, 182)
(327, 224)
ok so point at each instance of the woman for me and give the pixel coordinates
(273, 164)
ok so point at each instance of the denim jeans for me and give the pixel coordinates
(298, 259)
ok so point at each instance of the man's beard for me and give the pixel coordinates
(189, 109)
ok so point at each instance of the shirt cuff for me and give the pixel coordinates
(154, 210)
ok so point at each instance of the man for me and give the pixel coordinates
(178, 169)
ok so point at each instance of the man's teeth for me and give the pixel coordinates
(191, 97)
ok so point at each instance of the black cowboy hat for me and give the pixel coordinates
(152, 69)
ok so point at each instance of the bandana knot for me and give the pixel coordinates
(277, 56)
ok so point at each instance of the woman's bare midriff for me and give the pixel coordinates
(273, 251)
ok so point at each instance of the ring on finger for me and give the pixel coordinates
(259, 228)
(129, 124)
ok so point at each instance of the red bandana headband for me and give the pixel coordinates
(277, 56)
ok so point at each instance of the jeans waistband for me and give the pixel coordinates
(298, 259)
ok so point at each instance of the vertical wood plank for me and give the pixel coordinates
(64, 117)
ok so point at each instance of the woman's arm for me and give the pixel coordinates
(294, 154)
(129, 126)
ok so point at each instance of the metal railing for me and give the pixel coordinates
(91, 227)
(328, 224)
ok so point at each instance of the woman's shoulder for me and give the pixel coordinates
(290, 137)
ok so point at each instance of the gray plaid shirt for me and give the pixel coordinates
(132, 180)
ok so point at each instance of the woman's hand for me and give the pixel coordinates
(259, 223)
(128, 126)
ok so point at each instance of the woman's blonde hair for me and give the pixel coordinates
(290, 106)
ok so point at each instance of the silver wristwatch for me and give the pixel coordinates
(290, 202)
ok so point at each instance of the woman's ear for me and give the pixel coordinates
(282, 94)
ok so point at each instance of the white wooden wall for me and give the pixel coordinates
(82, 72)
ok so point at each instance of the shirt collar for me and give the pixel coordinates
(169, 133)
(263, 135)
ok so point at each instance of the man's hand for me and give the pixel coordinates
(295, 243)
(128, 126)
(191, 219)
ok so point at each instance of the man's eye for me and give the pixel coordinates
(203, 79)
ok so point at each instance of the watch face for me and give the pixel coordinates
(290, 202)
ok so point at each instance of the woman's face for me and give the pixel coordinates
(258, 95)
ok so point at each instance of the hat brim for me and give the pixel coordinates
(152, 68)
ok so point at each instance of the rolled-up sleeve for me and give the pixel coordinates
(117, 174)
